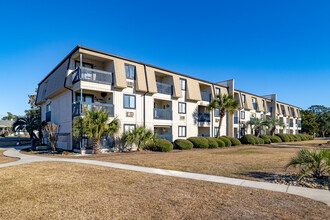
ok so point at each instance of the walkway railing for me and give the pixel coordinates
(204, 117)
(93, 75)
(168, 137)
(162, 114)
(206, 96)
(164, 88)
(80, 108)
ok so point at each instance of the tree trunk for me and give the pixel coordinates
(272, 132)
(97, 146)
(220, 122)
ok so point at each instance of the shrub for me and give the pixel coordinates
(161, 145)
(234, 141)
(248, 139)
(226, 141)
(199, 142)
(183, 144)
(284, 137)
(220, 142)
(298, 138)
(265, 138)
(256, 139)
(303, 137)
(291, 137)
(275, 139)
(261, 141)
(212, 143)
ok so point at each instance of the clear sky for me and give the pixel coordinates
(268, 47)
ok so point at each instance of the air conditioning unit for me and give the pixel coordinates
(129, 114)
(182, 117)
(130, 84)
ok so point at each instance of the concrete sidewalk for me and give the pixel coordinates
(315, 194)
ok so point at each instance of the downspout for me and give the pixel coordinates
(67, 69)
(212, 128)
(144, 96)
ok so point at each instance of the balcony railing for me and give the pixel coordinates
(206, 96)
(93, 75)
(80, 108)
(48, 116)
(166, 137)
(164, 88)
(291, 124)
(235, 120)
(203, 135)
(162, 114)
(255, 106)
(204, 117)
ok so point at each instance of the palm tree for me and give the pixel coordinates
(95, 125)
(272, 123)
(139, 136)
(223, 103)
(29, 123)
(314, 161)
(258, 125)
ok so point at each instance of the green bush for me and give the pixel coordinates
(303, 137)
(220, 142)
(226, 141)
(234, 141)
(248, 139)
(161, 145)
(256, 140)
(199, 142)
(284, 137)
(261, 141)
(183, 144)
(265, 138)
(298, 138)
(291, 137)
(275, 139)
(212, 143)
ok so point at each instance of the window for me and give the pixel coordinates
(183, 84)
(182, 108)
(48, 108)
(242, 114)
(88, 65)
(216, 112)
(130, 71)
(128, 127)
(216, 129)
(86, 98)
(287, 120)
(182, 131)
(263, 103)
(253, 100)
(217, 91)
(243, 98)
(129, 101)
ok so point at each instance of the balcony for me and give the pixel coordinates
(204, 117)
(291, 124)
(48, 116)
(203, 135)
(164, 88)
(92, 75)
(206, 96)
(165, 114)
(235, 120)
(255, 106)
(166, 137)
(81, 108)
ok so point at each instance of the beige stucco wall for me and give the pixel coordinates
(193, 90)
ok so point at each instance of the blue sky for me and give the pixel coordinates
(269, 47)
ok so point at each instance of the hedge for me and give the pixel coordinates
(234, 141)
(261, 141)
(183, 144)
(291, 137)
(275, 139)
(226, 141)
(162, 145)
(199, 142)
(284, 137)
(298, 138)
(248, 139)
(212, 143)
(265, 138)
(220, 142)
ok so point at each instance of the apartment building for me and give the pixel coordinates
(171, 104)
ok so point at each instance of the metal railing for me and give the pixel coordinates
(255, 106)
(164, 88)
(204, 117)
(166, 137)
(93, 75)
(162, 114)
(291, 124)
(203, 135)
(80, 108)
(235, 120)
(206, 96)
(48, 116)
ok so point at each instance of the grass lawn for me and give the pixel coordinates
(4, 159)
(54, 190)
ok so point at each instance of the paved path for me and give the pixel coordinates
(315, 194)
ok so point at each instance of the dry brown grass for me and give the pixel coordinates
(4, 159)
(54, 190)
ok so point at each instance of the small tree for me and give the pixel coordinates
(95, 125)
(52, 134)
(223, 103)
(258, 125)
(29, 123)
(272, 123)
(314, 161)
(139, 136)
